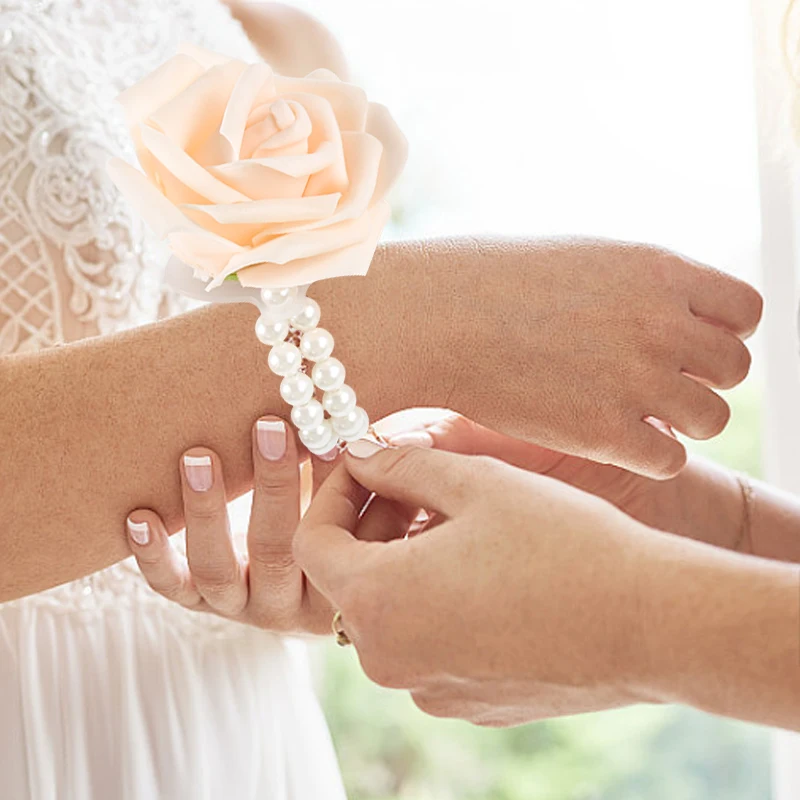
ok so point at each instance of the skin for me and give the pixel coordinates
(93, 429)
(262, 586)
(292, 42)
(572, 605)
(704, 501)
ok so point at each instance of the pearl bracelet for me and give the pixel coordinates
(289, 325)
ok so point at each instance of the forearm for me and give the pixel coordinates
(723, 633)
(94, 429)
(706, 502)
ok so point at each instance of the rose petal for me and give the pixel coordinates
(351, 260)
(297, 149)
(272, 210)
(187, 170)
(206, 58)
(349, 102)
(362, 154)
(395, 148)
(239, 233)
(259, 182)
(198, 247)
(146, 201)
(295, 246)
(208, 253)
(168, 80)
(322, 74)
(189, 118)
(324, 132)
(244, 93)
(270, 135)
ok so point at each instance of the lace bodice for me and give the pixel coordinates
(74, 260)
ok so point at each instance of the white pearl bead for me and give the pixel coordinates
(339, 402)
(320, 438)
(328, 375)
(316, 344)
(271, 331)
(278, 297)
(285, 358)
(297, 389)
(308, 316)
(309, 415)
(352, 427)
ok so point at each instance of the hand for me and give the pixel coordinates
(573, 343)
(522, 604)
(265, 588)
(704, 501)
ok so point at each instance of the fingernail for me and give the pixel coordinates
(199, 473)
(330, 455)
(412, 438)
(271, 438)
(363, 448)
(138, 531)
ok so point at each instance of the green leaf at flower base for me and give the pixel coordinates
(232, 277)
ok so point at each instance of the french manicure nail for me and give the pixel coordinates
(199, 473)
(363, 448)
(330, 455)
(412, 438)
(271, 438)
(138, 531)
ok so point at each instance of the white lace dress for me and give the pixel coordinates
(108, 692)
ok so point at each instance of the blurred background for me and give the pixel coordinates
(619, 118)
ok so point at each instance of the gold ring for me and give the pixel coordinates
(342, 639)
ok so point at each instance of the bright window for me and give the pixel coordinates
(620, 118)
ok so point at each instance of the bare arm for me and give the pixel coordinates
(724, 635)
(541, 339)
(93, 429)
(292, 41)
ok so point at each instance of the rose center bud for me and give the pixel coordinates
(278, 128)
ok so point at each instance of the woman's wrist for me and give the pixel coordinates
(720, 631)
(705, 502)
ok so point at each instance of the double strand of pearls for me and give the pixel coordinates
(289, 325)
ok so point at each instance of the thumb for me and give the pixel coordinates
(431, 479)
(458, 434)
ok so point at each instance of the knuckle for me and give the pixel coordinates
(278, 480)
(669, 459)
(381, 670)
(206, 509)
(741, 360)
(752, 307)
(275, 556)
(400, 461)
(214, 578)
(712, 417)
(432, 705)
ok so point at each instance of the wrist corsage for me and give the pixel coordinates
(262, 185)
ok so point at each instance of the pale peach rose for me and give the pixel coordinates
(281, 181)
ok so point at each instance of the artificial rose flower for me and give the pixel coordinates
(278, 181)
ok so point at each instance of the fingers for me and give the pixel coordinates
(218, 573)
(659, 455)
(716, 356)
(693, 409)
(163, 567)
(276, 582)
(324, 545)
(720, 297)
(458, 434)
(385, 520)
(430, 479)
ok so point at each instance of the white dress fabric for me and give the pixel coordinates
(108, 691)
